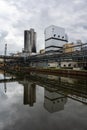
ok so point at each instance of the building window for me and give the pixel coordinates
(75, 65)
(54, 35)
(64, 65)
(69, 65)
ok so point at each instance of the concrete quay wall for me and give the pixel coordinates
(58, 71)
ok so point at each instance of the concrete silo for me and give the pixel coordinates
(33, 40)
(30, 41)
(27, 46)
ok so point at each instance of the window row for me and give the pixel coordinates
(58, 36)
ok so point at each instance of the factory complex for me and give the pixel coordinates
(56, 42)
(58, 52)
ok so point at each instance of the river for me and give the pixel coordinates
(42, 102)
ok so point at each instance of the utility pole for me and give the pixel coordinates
(5, 53)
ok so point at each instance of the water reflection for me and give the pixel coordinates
(5, 88)
(54, 101)
(56, 90)
(29, 94)
(70, 87)
(43, 102)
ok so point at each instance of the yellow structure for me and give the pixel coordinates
(42, 51)
(69, 47)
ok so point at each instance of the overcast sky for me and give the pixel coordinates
(18, 15)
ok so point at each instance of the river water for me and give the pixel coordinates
(43, 102)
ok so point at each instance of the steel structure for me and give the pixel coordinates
(75, 56)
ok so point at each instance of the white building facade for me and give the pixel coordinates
(55, 38)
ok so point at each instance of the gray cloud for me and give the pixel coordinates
(16, 16)
(3, 34)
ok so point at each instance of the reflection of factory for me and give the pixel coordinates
(54, 101)
(29, 93)
(56, 90)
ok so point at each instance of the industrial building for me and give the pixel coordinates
(72, 56)
(55, 38)
(30, 41)
(53, 101)
(84, 48)
(42, 51)
(78, 45)
(69, 47)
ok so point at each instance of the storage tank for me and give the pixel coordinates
(27, 45)
(30, 41)
(33, 40)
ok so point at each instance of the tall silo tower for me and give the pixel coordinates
(30, 41)
(34, 43)
(33, 40)
(27, 46)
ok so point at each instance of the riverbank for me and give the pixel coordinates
(59, 71)
(53, 71)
